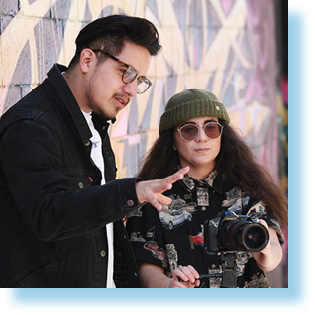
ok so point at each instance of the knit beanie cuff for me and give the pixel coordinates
(191, 104)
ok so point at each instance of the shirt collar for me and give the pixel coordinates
(87, 116)
(212, 180)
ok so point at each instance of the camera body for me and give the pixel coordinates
(232, 232)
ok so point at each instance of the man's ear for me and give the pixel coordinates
(86, 57)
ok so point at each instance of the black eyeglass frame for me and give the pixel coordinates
(204, 129)
(129, 68)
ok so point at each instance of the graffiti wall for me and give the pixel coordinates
(225, 46)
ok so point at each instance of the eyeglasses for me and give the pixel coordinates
(130, 74)
(189, 132)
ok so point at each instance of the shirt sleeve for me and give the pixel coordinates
(146, 236)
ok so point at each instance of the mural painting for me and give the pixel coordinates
(225, 46)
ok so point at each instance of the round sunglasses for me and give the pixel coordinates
(190, 131)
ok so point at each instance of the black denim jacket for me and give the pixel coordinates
(52, 207)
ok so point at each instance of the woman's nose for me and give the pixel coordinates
(201, 134)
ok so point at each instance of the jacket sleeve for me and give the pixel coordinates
(51, 201)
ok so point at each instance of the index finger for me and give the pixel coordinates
(193, 271)
(264, 223)
(187, 273)
(176, 176)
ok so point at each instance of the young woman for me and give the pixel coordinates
(223, 176)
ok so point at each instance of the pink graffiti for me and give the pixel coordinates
(226, 5)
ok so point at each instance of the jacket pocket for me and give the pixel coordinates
(78, 183)
(44, 276)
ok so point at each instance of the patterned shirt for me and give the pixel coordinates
(174, 237)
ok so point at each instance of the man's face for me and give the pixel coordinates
(103, 89)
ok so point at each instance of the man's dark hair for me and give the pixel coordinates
(112, 32)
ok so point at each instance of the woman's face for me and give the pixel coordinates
(199, 154)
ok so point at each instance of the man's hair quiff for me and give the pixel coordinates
(112, 32)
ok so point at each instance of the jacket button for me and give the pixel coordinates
(103, 253)
(87, 143)
(130, 203)
(81, 185)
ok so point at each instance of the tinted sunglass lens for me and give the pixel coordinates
(189, 132)
(213, 130)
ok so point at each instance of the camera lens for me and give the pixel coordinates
(255, 237)
(251, 236)
(243, 236)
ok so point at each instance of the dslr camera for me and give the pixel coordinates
(232, 232)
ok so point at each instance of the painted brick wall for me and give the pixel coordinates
(225, 46)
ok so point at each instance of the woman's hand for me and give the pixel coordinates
(270, 257)
(153, 276)
(187, 274)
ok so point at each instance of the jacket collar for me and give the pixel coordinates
(69, 101)
(64, 92)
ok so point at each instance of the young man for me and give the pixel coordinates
(58, 195)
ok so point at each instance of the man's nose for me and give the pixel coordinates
(131, 88)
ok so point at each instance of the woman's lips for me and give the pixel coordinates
(201, 150)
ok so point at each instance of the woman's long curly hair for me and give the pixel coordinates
(235, 163)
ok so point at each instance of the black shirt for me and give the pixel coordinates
(174, 236)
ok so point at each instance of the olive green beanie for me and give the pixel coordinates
(189, 104)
